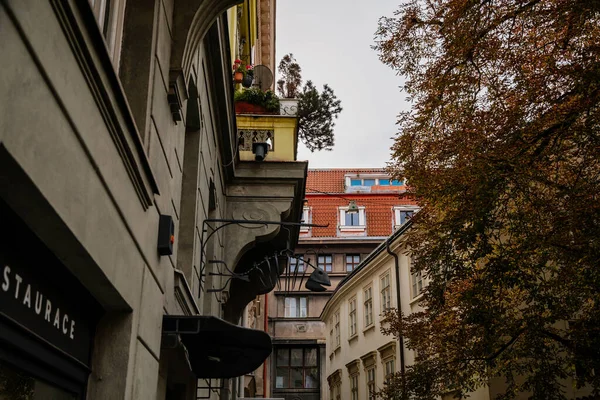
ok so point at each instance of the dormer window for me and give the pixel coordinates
(352, 221)
(402, 214)
(364, 183)
(306, 219)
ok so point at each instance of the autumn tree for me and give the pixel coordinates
(317, 110)
(502, 149)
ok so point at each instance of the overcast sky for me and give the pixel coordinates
(331, 40)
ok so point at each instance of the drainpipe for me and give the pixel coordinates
(399, 302)
(266, 328)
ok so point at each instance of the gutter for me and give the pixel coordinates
(399, 302)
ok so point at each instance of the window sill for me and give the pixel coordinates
(353, 338)
(416, 299)
(359, 228)
(369, 328)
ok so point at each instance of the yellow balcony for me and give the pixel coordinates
(279, 132)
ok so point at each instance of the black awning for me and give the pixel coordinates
(216, 348)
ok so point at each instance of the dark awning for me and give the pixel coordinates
(216, 348)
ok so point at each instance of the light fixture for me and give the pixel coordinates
(352, 208)
(317, 280)
(260, 150)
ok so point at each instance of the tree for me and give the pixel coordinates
(291, 77)
(316, 110)
(502, 149)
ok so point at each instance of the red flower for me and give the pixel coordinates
(249, 67)
(237, 61)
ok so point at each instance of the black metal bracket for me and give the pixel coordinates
(223, 223)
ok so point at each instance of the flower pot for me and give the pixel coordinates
(288, 107)
(243, 107)
(238, 77)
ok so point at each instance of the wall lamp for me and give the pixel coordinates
(260, 150)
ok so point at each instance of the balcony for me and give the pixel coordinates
(279, 130)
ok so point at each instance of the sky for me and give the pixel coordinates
(331, 40)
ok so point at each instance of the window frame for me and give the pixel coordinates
(386, 363)
(297, 261)
(336, 329)
(298, 300)
(416, 280)
(323, 264)
(304, 367)
(398, 212)
(362, 225)
(354, 386)
(110, 17)
(352, 318)
(386, 291)
(306, 219)
(368, 306)
(353, 263)
(371, 370)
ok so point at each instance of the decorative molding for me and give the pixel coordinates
(248, 136)
(106, 89)
(353, 366)
(388, 350)
(369, 359)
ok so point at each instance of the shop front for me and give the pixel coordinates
(47, 319)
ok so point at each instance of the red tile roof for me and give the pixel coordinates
(325, 192)
(378, 212)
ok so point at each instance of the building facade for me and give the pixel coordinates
(359, 357)
(353, 210)
(125, 270)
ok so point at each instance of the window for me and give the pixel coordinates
(352, 222)
(368, 182)
(109, 15)
(417, 280)
(354, 387)
(363, 183)
(306, 219)
(296, 368)
(385, 292)
(296, 307)
(371, 383)
(352, 261)
(324, 262)
(390, 367)
(336, 328)
(296, 263)
(336, 391)
(352, 317)
(368, 307)
(331, 325)
(396, 182)
(403, 214)
(352, 219)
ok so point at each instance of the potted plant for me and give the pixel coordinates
(255, 101)
(238, 71)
